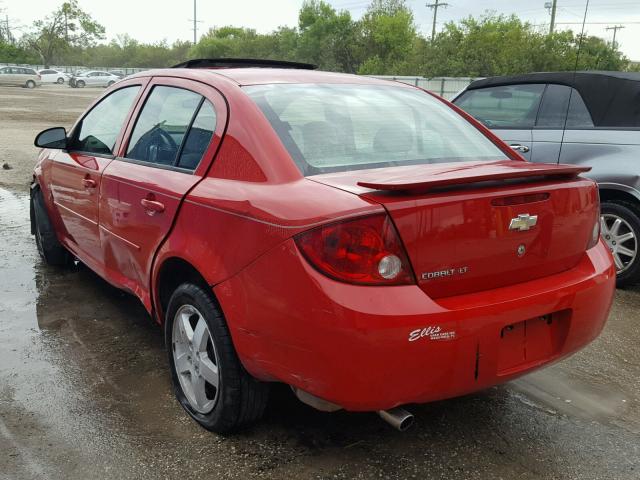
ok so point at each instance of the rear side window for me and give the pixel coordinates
(199, 137)
(508, 106)
(99, 129)
(162, 125)
(329, 128)
(553, 109)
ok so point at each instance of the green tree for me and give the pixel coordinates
(327, 38)
(67, 27)
(388, 38)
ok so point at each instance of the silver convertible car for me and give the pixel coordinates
(582, 118)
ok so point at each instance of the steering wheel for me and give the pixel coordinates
(153, 142)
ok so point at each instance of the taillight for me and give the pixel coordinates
(365, 251)
(595, 230)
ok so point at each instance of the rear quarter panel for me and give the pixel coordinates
(613, 155)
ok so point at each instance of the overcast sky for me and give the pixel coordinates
(152, 20)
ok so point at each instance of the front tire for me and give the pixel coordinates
(80, 84)
(60, 81)
(620, 230)
(208, 379)
(50, 249)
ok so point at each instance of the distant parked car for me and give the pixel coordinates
(53, 76)
(93, 78)
(19, 76)
(587, 118)
(118, 73)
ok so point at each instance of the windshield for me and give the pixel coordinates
(330, 128)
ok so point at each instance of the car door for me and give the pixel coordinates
(509, 110)
(167, 152)
(77, 171)
(5, 76)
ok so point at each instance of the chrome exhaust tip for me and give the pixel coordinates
(397, 417)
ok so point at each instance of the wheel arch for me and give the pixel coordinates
(172, 272)
(612, 191)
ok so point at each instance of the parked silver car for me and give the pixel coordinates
(19, 76)
(93, 78)
(584, 118)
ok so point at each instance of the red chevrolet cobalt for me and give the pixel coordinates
(362, 241)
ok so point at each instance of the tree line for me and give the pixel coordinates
(385, 41)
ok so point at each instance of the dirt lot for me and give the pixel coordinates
(85, 391)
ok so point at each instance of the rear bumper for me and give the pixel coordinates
(350, 345)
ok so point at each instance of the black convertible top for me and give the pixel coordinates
(613, 98)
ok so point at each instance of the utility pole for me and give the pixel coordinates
(553, 16)
(615, 29)
(195, 23)
(434, 7)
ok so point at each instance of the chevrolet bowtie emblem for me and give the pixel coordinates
(523, 222)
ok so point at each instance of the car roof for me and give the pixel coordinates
(259, 76)
(610, 97)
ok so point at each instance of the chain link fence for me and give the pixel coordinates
(446, 87)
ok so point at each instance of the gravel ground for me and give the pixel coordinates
(85, 391)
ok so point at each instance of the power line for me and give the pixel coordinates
(434, 7)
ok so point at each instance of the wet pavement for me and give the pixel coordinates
(85, 393)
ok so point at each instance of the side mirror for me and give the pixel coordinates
(55, 137)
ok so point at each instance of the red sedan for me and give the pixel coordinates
(363, 241)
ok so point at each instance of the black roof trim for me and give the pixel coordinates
(564, 78)
(243, 63)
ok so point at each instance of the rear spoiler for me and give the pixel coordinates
(448, 175)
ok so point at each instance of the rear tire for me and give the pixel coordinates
(623, 239)
(110, 83)
(30, 84)
(239, 399)
(50, 249)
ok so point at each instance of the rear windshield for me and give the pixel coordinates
(331, 128)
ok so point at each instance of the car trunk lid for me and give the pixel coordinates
(475, 226)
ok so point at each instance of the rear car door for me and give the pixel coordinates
(509, 110)
(5, 76)
(77, 171)
(552, 118)
(167, 152)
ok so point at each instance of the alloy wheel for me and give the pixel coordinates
(621, 240)
(195, 359)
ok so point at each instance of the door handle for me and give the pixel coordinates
(519, 148)
(152, 206)
(89, 183)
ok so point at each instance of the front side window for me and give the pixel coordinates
(328, 128)
(162, 125)
(99, 129)
(507, 106)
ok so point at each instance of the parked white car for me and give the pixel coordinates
(49, 75)
(93, 78)
(19, 76)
